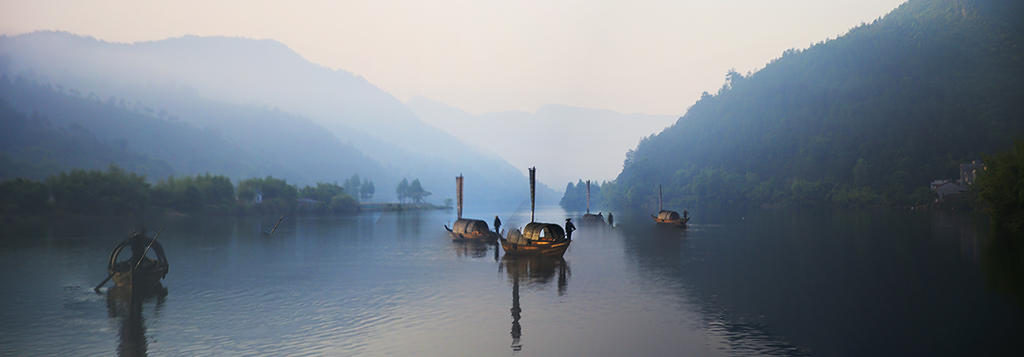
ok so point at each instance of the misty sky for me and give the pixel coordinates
(653, 57)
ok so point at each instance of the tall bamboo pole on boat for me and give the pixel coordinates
(659, 199)
(533, 186)
(458, 193)
(588, 196)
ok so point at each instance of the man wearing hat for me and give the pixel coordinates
(569, 227)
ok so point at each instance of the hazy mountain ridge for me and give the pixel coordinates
(32, 147)
(187, 150)
(868, 118)
(267, 73)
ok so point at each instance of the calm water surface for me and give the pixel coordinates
(755, 282)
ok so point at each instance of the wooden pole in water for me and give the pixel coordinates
(533, 186)
(275, 226)
(458, 193)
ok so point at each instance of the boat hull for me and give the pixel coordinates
(473, 237)
(535, 248)
(675, 222)
(146, 276)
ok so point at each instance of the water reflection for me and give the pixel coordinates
(475, 249)
(125, 309)
(1002, 262)
(533, 272)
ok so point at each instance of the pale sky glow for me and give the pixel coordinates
(653, 57)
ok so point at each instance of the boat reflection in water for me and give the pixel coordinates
(475, 249)
(536, 271)
(124, 307)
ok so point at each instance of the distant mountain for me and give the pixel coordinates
(262, 141)
(565, 143)
(265, 73)
(33, 147)
(868, 118)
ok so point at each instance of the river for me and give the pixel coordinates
(735, 283)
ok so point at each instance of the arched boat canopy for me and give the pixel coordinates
(668, 215)
(543, 232)
(469, 226)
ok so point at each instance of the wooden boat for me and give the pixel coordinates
(471, 230)
(142, 275)
(466, 229)
(536, 239)
(670, 217)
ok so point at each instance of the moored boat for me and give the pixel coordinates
(670, 217)
(536, 239)
(468, 229)
(471, 229)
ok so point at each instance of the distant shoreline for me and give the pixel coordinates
(393, 206)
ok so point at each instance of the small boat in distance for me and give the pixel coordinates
(140, 272)
(536, 239)
(670, 217)
(465, 229)
(589, 218)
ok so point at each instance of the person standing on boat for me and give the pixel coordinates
(138, 242)
(569, 227)
(685, 214)
(497, 224)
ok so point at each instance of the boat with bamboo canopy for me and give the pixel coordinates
(465, 229)
(536, 239)
(670, 217)
(140, 272)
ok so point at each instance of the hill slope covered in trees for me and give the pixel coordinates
(868, 118)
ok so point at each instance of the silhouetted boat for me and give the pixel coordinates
(537, 239)
(139, 276)
(590, 218)
(465, 228)
(669, 217)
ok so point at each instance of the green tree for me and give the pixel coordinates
(21, 196)
(367, 190)
(416, 192)
(115, 191)
(277, 194)
(353, 185)
(1001, 186)
(402, 190)
(323, 191)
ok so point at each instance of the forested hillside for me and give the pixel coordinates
(32, 147)
(77, 130)
(868, 118)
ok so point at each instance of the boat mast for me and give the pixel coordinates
(659, 199)
(588, 196)
(533, 186)
(458, 193)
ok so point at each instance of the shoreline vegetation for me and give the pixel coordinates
(118, 192)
